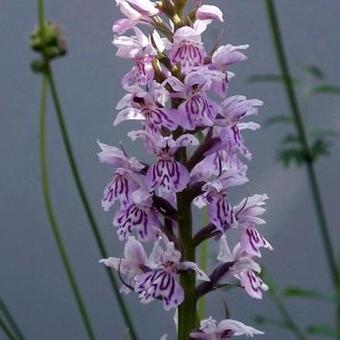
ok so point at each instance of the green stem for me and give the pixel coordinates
(85, 202)
(6, 330)
(293, 326)
(79, 185)
(187, 310)
(292, 98)
(10, 320)
(51, 216)
(203, 262)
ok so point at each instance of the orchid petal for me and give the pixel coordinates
(200, 274)
(200, 26)
(209, 12)
(134, 252)
(175, 83)
(112, 155)
(225, 255)
(237, 328)
(128, 114)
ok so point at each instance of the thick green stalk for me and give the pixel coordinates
(292, 98)
(51, 216)
(79, 184)
(10, 320)
(187, 310)
(6, 330)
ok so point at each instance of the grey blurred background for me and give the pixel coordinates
(32, 281)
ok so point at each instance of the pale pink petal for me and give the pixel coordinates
(252, 284)
(200, 26)
(128, 114)
(228, 54)
(134, 252)
(123, 25)
(209, 12)
(225, 255)
(112, 155)
(200, 274)
(237, 328)
(144, 7)
(252, 241)
(176, 85)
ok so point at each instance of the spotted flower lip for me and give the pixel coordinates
(247, 213)
(215, 196)
(187, 49)
(197, 110)
(154, 277)
(252, 241)
(138, 215)
(125, 179)
(212, 165)
(224, 330)
(147, 106)
(124, 182)
(244, 269)
(166, 175)
(142, 50)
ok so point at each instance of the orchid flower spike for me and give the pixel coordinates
(190, 138)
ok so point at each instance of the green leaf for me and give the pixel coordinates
(297, 292)
(279, 119)
(322, 330)
(326, 133)
(292, 155)
(326, 89)
(291, 139)
(261, 320)
(315, 71)
(320, 148)
(302, 293)
(273, 78)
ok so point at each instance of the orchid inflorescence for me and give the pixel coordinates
(199, 156)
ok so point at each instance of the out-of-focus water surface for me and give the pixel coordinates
(32, 278)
